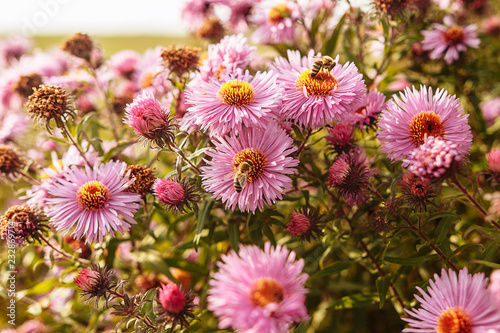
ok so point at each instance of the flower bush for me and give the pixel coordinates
(248, 184)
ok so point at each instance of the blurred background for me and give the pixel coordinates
(117, 25)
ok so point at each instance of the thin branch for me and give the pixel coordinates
(70, 137)
(62, 252)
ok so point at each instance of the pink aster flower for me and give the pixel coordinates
(317, 101)
(91, 199)
(365, 112)
(12, 126)
(341, 138)
(433, 159)
(449, 39)
(494, 287)
(490, 110)
(494, 160)
(267, 150)
(226, 57)
(233, 103)
(275, 22)
(408, 120)
(12, 48)
(258, 291)
(455, 304)
(240, 12)
(150, 120)
(124, 62)
(195, 12)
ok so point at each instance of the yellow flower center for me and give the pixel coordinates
(259, 161)
(425, 122)
(92, 195)
(237, 93)
(454, 35)
(320, 85)
(454, 320)
(278, 13)
(266, 291)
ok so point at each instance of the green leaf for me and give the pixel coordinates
(355, 301)
(43, 287)
(205, 208)
(302, 328)
(117, 150)
(442, 214)
(462, 248)
(412, 261)
(485, 263)
(382, 287)
(333, 269)
(234, 235)
(186, 265)
(330, 43)
(306, 196)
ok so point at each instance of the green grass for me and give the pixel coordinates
(113, 44)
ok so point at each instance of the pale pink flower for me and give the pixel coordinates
(275, 21)
(490, 110)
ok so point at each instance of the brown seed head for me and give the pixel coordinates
(182, 59)
(10, 163)
(24, 86)
(144, 179)
(392, 7)
(48, 102)
(22, 222)
(80, 45)
(211, 29)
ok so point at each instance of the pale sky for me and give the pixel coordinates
(48, 17)
(104, 17)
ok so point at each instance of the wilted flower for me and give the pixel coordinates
(258, 291)
(96, 282)
(267, 179)
(150, 120)
(435, 158)
(178, 195)
(21, 223)
(211, 29)
(24, 86)
(91, 199)
(306, 224)
(341, 138)
(174, 305)
(144, 179)
(349, 176)
(49, 102)
(407, 122)
(80, 45)
(393, 7)
(181, 60)
(417, 192)
(10, 163)
(455, 304)
(449, 39)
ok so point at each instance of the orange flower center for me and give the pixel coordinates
(92, 195)
(259, 161)
(425, 122)
(454, 320)
(237, 93)
(266, 291)
(454, 35)
(320, 85)
(278, 13)
(147, 80)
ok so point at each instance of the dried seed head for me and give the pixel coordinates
(80, 45)
(49, 102)
(22, 222)
(24, 86)
(392, 7)
(10, 163)
(211, 29)
(180, 60)
(144, 179)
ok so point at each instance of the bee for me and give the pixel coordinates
(241, 175)
(323, 64)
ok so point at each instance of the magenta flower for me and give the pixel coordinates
(240, 12)
(315, 102)
(494, 160)
(366, 111)
(196, 12)
(233, 103)
(490, 110)
(178, 195)
(408, 120)
(275, 21)
(267, 180)
(150, 120)
(449, 39)
(226, 57)
(455, 304)
(91, 200)
(124, 62)
(433, 159)
(258, 291)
